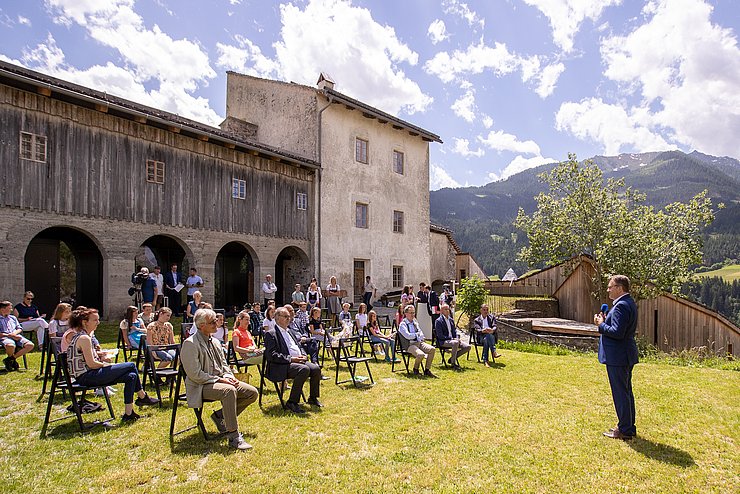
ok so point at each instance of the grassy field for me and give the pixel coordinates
(729, 273)
(532, 423)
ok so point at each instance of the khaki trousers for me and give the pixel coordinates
(233, 400)
(420, 349)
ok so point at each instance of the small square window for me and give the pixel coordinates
(154, 172)
(398, 162)
(397, 276)
(33, 147)
(397, 221)
(302, 201)
(238, 188)
(360, 150)
(360, 215)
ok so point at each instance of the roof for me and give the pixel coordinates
(32, 81)
(445, 231)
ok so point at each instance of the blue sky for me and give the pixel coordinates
(507, 84)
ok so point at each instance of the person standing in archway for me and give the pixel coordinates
(171, 279)
(268, 289)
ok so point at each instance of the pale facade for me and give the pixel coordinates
(372, 198)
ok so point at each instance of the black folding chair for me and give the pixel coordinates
(402, 347)
(44, 351)
(198, 411)
(163, 376)
(474, 342)
(236, 361)
(185, 331)
(51, 361)
(124, 346)
(279, 386)
(344, 353)
(25, 362)
(62, 381)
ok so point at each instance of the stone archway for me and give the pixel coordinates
(234, 276)
(292, 266)
(164, 251)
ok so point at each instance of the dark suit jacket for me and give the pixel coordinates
(433, 301)
(440, 329)
(277, 355)
(617, 344)
(169, 280)
(478, 327)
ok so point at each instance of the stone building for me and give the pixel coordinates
(372, 211)
(448, 261)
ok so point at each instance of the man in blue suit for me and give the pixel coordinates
(618, 350)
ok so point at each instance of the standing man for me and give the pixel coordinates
(268, 289)
(618, 350)
(159, 280)
(208, 376)
(433, 306)
(194, 283)
(369, 293)
(447, 337)
(171, 279)
(423, 296)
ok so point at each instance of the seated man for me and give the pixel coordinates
(302, 335)
(288, 361)
(447, 336)
(209, 376)
(11, 337)
(485, 328)
(255, 319)
(409, 329)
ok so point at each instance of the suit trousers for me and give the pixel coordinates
(420, 349)
(457, 349)
(620, 381)
(299, 373)
(233, 400)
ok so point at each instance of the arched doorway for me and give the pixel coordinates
(64, 264)
(234, 276)
(164, 251)
(291, 267)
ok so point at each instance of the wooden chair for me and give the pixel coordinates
(198, 411)
(62, 381)
(344, 353)
(165, 375)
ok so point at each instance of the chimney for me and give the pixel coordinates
(325, 81)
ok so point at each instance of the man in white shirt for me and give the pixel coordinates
(410, 330)
(486, 332)
(268, 289)
(194, 283)
(159, 280)
(370, 292)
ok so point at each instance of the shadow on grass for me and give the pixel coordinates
(195, 445)
(70, 429)
(662, 452)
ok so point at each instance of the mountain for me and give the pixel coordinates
(481, 217)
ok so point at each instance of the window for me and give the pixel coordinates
(360, 150)
(302, 201)
(33, 147)
(397, 276)
(360, 215)
(397, 221)
(398, 162)
(154, 172)
(238, 188)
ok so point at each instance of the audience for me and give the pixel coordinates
(60, 320)
(268, 289)
(378, 338)
(297, 296)
(243, 342)
(302, 316)
(303, 335)
(132, 326)
(193, 283)
(193, 304)
(485, 328)
(313, 295)
(28, 315)
(148, 288)
(409, 329)
(147, 313)
(345, 315)
(11, 337)
(255, 319)
(446, 334)
(269, 322)
(361, 318)
(160, 332)
(333, 300)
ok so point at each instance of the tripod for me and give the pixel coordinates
(138, 299)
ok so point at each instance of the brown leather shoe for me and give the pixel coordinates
(616, 434)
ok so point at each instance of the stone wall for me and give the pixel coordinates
(541, 307)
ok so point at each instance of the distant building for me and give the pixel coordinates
(448, 261)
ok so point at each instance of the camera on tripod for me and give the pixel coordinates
(139, 279)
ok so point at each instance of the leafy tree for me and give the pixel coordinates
(583, 214)
(471, 295)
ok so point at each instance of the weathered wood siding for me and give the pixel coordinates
(575, 295)
(96, 166)
(541, 284)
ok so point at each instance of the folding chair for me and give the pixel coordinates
(63, 381)
(156, 376)
(198, 411)
(474, 342)
(279, 387)
(44, 352)
(343, 354)
(185, 331)
(25, 362)
(402, 346)
(51, 361)
(236, 360)
(124, 346)
(442, 351)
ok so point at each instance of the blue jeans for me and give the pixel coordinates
(116, 373)
(388, 345)
(489, 343)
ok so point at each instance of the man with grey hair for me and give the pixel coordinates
(447, 337)
(208, 376)
(409, 329)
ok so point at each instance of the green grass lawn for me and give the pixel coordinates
(729, 273)
(531, 424)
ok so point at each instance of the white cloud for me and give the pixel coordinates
(437, 31)
(24, 21)
(501, 141)
(464, 106)
(566, 16)
(520, 163)
(548, 78)
(462, 147)
(690, 74)
(487, 121)
(178, 66)
(439, 178)
(364, 57)
(246, 58)
(461, 9)
(610, 125)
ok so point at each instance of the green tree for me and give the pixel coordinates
(583, 214)
(470, 296)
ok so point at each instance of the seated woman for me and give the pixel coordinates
(194, 305)
(243, 342)
(222, 332)
(345, 315)
(269, 322)
(378, 338)
(160, 332)
(361, 318)
(87, 368)
(132, 326)
(315, 326)
(60, 320)
(29, 317)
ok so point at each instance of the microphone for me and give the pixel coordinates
(604, 308)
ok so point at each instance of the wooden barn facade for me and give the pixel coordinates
(666, 321)
(100, 185)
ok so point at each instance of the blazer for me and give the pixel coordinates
(440, 329)
(478, 327)
(170, 280)
(617, 344)
(433, 301)
(277, 355)
(200, 367)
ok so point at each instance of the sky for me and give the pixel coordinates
(507, 84)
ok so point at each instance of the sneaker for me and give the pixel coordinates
(236, 441)
(219, 421)
(146, 401)
(111, 390)
(132, 417)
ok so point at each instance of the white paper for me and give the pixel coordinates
(179, 287)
